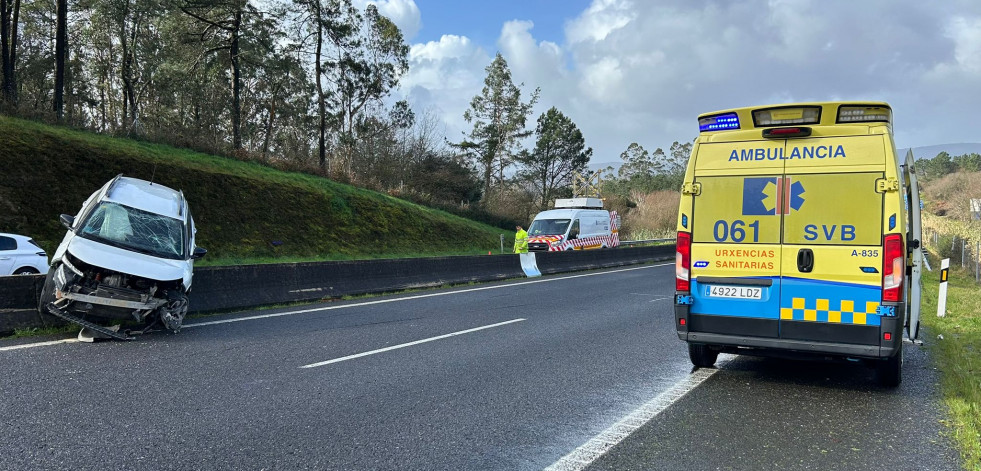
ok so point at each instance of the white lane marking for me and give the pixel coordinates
(409, 298)
(38, 344)
(586, 454)
(417, 342)
(367, 303)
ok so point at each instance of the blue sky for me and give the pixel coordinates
(481, 20)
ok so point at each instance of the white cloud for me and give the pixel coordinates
(642, 71)
(531, 62)
(599, 20)
(404, 13)
(444, 75)
(966, 33)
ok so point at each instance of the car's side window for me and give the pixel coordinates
(7, 243)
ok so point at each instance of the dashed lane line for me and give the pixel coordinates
(409, 344)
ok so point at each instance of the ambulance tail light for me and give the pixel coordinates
(682, 262)
(893, 268)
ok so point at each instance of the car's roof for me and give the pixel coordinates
(15, 236)
(151, 197)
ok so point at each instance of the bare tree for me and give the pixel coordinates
(61, 56)
(222, 20)
(9, 19)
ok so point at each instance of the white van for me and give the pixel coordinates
(575, 224)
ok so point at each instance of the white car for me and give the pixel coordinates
(128, 255)
(20, 255)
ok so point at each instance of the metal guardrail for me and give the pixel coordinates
(649, 241)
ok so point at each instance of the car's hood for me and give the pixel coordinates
(125, 261)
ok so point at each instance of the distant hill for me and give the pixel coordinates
(244, 212)
(923, 152)
(929, 152)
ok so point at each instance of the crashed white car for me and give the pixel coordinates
(128, 255)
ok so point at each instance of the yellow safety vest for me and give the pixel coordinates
(521, 242)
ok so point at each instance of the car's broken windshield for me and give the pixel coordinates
(131, 228)
(548, 227)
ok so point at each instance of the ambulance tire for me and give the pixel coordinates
(890, 370)
(701, 355)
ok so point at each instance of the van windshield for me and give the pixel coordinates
(136, 230)
(548, 227)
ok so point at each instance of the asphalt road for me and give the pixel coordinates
(509, 375)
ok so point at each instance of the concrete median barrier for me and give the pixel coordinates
(248, 286)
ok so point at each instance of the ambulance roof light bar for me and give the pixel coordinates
(785, 115)
(864, 114)
(719, 122)
(578, 203)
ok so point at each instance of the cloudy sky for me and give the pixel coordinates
(642, 70)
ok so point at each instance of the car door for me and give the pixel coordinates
(831, 280)
(735, 250)
(8, 249)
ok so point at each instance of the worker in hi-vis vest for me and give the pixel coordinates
(520, 240)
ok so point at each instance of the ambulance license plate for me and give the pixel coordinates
(735, 292)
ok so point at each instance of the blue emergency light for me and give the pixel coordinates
(721, 122)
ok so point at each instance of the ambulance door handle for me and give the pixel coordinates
(805, 260)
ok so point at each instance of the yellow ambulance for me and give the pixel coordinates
(797, 236)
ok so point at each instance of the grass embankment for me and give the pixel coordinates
(245, 212)
(958, 355)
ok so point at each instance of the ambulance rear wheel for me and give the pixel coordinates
(701, 355)
(890, 370)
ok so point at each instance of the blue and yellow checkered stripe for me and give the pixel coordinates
(819, 310)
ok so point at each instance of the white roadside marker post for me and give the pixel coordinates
(942, 297)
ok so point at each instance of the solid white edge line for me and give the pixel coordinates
(37, 344)
(367, 303)
(587, 453)
(409, 298)
(409, 344)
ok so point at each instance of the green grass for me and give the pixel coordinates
(41, 331)
(958, 355)
(244, 211)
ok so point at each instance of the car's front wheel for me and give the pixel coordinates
(25, 271)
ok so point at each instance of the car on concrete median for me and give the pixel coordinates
(20, 255)
(128, 255)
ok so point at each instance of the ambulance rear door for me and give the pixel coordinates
(735, 250)
(833, 223)
(912, 189)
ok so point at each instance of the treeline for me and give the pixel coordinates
(945, 164)
(302, 81)
(305, 85)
